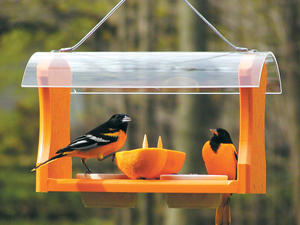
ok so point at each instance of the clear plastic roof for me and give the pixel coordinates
(151, 72)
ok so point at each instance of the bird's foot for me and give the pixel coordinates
(113, 157)
(88, 171)
(105, 157)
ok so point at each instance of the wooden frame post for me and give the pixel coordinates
(251, 158)
(54, 121)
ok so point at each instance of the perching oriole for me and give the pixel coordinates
(220, 158)
(99, 143)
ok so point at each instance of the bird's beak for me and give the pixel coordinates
(214, 131)
(126, 119)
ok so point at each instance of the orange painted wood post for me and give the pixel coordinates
(251, 157)
(54, 130)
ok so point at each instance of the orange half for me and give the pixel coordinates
(149, 163)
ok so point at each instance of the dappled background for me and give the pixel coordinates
(183, 121)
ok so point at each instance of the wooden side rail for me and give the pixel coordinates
(143, 186)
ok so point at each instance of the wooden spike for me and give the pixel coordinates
(145, 142)
(159, 142)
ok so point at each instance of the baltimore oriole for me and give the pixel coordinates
(99, 143)
(220, 158)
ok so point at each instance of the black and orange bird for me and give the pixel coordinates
(220, 158)
(99, 143)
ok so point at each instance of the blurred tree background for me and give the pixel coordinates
(29, 26)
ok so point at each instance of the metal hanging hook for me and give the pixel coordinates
(69, 49)
(118, 6)
(240, 49)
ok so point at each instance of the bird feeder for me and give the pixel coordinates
(57, 75)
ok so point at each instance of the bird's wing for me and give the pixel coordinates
(235, 154)
(82, 143)
(87, 142)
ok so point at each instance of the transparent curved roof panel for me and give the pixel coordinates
(151, 72)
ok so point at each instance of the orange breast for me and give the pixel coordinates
(104, 150)
(221, 163)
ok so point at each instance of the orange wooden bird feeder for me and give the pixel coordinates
(57, 75)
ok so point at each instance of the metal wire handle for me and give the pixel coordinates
(236, 48)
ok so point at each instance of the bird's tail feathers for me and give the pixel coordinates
(63, 150)
(48, 161)
(219, 215)
(223, 216)
(226, 213)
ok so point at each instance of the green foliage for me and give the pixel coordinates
(38, 25)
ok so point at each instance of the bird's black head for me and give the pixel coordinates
(220, 136)
(119, 121)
